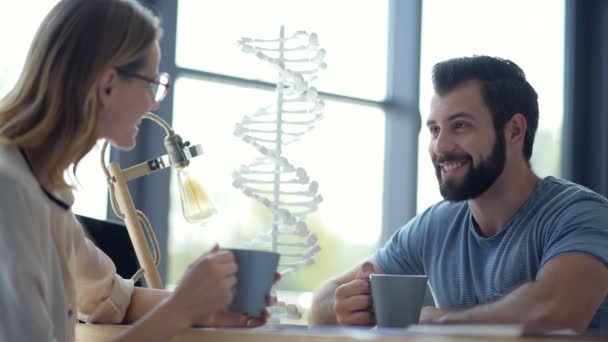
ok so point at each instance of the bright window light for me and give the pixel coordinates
(507, 29)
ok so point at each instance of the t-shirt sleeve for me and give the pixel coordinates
(103, 296)
(402, 254)
(581, 229)
(23, 315)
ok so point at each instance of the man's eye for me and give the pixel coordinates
(434, 131)
(461, 125)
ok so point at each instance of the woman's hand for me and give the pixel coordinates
(206, 288)
(223, 318)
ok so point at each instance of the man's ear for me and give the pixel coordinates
(515, 129)
(106, 84)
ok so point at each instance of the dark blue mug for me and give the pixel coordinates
(254, 280)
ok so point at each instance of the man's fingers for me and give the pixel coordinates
(357, 318)
(365, 271)
(355, 287)
(352, 304)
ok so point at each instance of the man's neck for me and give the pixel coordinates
(495, 207)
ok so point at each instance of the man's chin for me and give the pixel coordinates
(452, 192)
(454, 200)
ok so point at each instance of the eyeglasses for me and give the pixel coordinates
(159, 86)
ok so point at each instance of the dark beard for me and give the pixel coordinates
(478, 179)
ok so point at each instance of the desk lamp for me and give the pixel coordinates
(196, 204)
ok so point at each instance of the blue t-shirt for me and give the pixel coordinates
(465, 268)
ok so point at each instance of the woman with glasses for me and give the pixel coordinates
(90, 74)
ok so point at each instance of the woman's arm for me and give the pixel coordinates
(199, 300)
(161, 322)
(205, 289)
(143, 301)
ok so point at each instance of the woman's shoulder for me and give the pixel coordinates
(21, 212)
(13, 166)
(17, 184)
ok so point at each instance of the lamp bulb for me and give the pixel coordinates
(196, 203)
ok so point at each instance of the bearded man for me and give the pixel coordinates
(505, 246)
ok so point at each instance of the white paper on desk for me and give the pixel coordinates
(318, 330)
(501, 330)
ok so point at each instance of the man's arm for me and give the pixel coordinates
(566, 294)
(344, 299)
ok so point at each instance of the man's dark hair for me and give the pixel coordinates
(504, 89)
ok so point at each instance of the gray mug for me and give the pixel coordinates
(254, 280)
(397, 299)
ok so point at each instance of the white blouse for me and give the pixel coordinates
(50, 273)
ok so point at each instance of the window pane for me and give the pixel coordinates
(487, 27)
(344, 153)
(354, 33)
(91, 195)
(20, 20)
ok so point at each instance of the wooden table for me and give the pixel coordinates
(98, 333)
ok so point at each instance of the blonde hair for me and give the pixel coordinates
(53, 106)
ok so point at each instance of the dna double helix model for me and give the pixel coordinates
(271, 179)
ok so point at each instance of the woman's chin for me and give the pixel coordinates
(123, 144)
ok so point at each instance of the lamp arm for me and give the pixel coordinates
(141, 217)
(178, 154)
(140, 245)
(104, 167)
(137, 225)
(146, 223)
(160, 121)
(138, 170)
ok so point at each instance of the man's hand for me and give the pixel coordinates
(353, 299)
(431, 315)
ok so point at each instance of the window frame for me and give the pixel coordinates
(151, 194)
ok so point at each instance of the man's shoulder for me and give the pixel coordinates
(561, 191)
(565, 203)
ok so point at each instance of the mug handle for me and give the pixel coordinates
(370, 308)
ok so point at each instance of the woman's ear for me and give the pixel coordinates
(106, 84)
